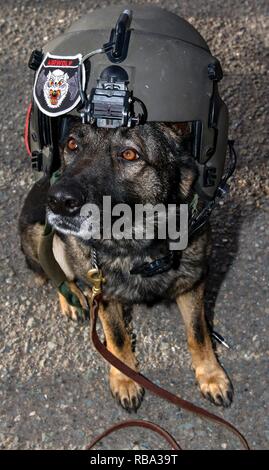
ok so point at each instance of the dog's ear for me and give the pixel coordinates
(181, 128)
(187, 169)
(182, 131)
(188, 175)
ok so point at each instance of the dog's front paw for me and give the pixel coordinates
(127, 392)
(215, 385)
(73, 313)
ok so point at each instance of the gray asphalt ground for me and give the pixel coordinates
(53, 390)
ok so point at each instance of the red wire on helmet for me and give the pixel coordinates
(26, 130)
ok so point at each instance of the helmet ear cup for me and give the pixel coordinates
(65, 123)
(44, 126)
(41, 139)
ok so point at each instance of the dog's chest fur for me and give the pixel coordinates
(125, 287)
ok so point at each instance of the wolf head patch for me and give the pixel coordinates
(57, 84)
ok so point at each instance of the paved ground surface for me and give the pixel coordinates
(53, 392)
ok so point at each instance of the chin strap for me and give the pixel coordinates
(197, 222)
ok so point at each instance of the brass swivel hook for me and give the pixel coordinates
(96, 279)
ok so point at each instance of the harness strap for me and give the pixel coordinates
(53, 270)
(47, 260)
(152, 387)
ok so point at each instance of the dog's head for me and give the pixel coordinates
(147, 164)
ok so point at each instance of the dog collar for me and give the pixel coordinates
(158, 266)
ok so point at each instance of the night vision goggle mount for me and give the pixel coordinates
(111, 103)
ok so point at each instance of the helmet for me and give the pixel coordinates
(152, 66)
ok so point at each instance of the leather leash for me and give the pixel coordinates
(137, 423)
(146, 383)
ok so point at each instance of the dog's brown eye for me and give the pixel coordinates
(72, 144)
(129, 154)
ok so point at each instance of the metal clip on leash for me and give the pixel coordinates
(95, 277)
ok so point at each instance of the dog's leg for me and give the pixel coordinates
(212, 379)
(127, 392)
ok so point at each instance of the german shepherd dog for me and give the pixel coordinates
(151, 163)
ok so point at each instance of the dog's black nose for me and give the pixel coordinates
(65, 201)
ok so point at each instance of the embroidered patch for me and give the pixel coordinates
(57, 84)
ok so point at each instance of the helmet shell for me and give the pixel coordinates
(167, 64)
(167, 59)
